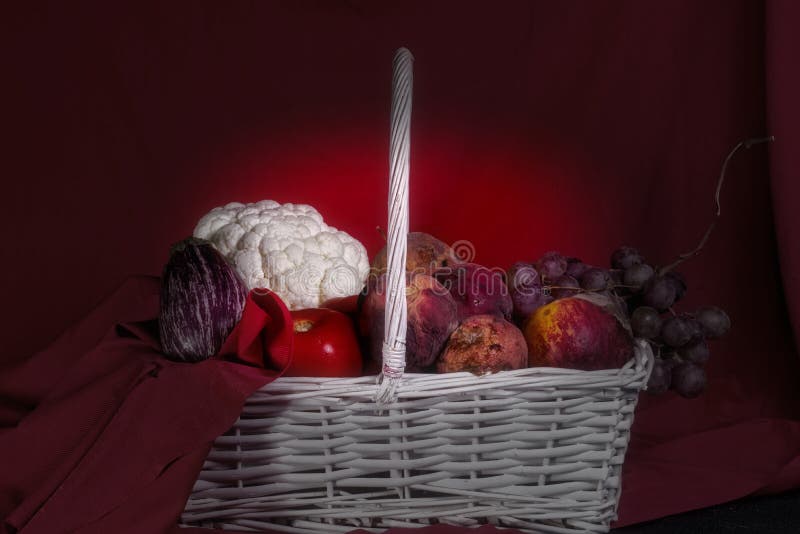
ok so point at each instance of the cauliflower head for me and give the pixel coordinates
(288, 249)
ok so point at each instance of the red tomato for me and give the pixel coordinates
(325, 344)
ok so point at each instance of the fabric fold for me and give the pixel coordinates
(123, 421)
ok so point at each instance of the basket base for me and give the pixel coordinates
(538, 450)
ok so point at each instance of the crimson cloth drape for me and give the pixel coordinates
(537, 125)
(113, 443)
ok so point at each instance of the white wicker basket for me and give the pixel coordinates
(537, 449)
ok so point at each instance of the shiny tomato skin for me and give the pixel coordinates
(325, 345)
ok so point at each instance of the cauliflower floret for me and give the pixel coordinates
(249, 264)
(287, 248)
(226, 239)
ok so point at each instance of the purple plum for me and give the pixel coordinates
(476, 289)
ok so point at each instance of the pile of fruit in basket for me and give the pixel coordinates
(556, 311)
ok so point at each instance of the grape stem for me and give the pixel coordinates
(747, 143)
(582, 290)
(577, 289)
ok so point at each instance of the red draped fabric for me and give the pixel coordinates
(575, 126)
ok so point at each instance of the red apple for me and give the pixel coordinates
(574, 333)
(325, 344)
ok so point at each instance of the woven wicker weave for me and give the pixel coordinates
(537, 449)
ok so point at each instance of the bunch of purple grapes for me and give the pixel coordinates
(532, 285)
(679, 340)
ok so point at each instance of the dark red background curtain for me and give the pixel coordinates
(783, 84)
(575, 126)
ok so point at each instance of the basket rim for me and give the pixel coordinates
(642, 361)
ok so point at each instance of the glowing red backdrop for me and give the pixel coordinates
(537, 126)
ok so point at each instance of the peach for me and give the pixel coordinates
(484, 344)
(432, 317)
(576, 334)
(425, 254)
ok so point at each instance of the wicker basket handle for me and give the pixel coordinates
(394, 337)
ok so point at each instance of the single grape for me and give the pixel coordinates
(658, 293)
(624, 257)
(715, 322)
(525, 287)
(660, 378)
(695, 327)
(564, 286)
(688, 380)
(696, 352)
(595, 279)
(522, 274)
(677, 331)
(576, 268)
(551, 265)
(678, 282)
(645, 322)
(637, 275)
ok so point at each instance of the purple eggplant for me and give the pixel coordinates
(202, 298)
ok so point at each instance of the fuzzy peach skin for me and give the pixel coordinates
(484, 344)
(425, 255)
(573, 333)
(432, 317)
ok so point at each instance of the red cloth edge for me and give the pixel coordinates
(100, 460)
